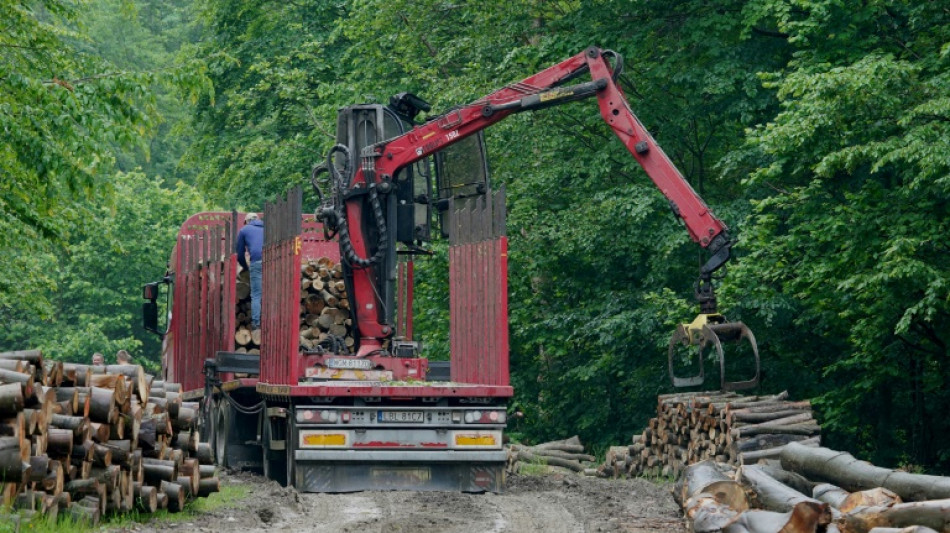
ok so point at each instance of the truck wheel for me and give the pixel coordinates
(274, 461)
(222, 427)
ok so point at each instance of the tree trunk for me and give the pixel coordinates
(146, 498)
(33, 356)
(803, 518)
(934, 514)
(11, 399)
(175, 494)
(529, 457)
(851, 474)
(776, 496)
(832, 495)
(207, 486)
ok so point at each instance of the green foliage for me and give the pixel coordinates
(112, 251)
(65, 112)
(845, 237)
(818, 130)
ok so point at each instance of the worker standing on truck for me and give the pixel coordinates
(251, 240)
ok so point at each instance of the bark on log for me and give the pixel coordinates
(175, 494)
(934, 514)
(157, 470)
(774, 453)
(84, 514)
(207, 486)
(206, 471)
(802, 519)
(911, 529)
(146, 498)
(879, 497)
(204, 453)
(767, 440)
(14, 452)
(11, 399)
(529, 457)
(706, 514)
(851, 474)
(793, 480)
(33, 356)
(705, 477)
(807, 428)
(776, 496)
(833, 495)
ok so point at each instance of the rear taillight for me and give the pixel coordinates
(317, 416)
(485, 417)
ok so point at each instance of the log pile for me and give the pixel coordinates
(567, 453)
(84, 441)
(812, 489)
(725, 427)
(325, 320)
(246, 338)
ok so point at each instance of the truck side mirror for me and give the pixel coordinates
(152, 292)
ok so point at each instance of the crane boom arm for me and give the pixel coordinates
(380, 162)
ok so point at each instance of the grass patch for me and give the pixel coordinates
(533, 469)
(230, 496)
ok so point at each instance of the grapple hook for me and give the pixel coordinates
(710, 331)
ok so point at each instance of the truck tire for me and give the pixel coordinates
(222, 426)
(275, 462)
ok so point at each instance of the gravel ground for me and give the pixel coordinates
(550, 503)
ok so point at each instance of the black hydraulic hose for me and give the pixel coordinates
(253, 410)
(618, 64)
(346, 243)
(317, 170)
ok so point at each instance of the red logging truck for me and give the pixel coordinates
(365, 410)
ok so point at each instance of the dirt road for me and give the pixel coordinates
(552, 503)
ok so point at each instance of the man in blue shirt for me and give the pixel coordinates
(251, 240)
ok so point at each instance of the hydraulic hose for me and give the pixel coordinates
(346, 243)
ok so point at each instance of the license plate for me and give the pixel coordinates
(349, 364)
(399, 416)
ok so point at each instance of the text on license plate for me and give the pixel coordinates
(349, 364)
(399, 416)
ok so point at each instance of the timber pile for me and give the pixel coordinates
(246, 339)
(567, 453)
(84, 441)
(325, 321)
(812, 489)
(725, 427)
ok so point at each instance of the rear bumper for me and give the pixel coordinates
(358, 470)
(444, 456)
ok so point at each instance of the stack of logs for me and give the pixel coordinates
(567, 453)
(85, 441)
(324, 308)
(810, 490)
(725, 427)
(246, 338)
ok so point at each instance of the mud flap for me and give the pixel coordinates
(353, 476)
